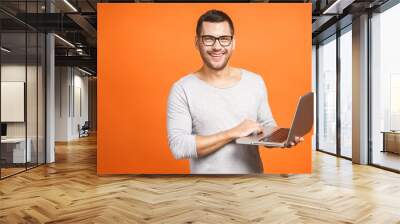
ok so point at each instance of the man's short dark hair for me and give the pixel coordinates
(213, 16)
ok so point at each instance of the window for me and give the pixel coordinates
(346, 93)
(385, 88)
(327, 95)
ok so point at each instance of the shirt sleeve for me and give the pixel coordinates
(181, 141)
(264, 114)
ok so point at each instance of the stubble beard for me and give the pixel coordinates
(211, 65)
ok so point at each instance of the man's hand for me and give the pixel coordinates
(246, 128)
(297, 140)
(211, 143)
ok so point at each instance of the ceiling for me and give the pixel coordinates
(76, 22)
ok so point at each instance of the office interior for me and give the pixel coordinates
(46, 81)
(49, 94)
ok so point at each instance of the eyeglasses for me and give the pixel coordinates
(209, 40)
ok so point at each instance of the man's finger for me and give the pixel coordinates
(301, 139)
(292, 143)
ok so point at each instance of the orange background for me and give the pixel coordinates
(143, 48)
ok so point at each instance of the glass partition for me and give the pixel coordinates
(14, 153)
(346, 93)
(385, 89)
(22, 88)
(327, 95)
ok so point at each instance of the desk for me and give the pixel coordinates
(391, 141)
(13, 150)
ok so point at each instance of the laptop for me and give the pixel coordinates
(281, 137)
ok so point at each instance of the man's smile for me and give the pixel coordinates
(216, 55)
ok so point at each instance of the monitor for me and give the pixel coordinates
(3, 129)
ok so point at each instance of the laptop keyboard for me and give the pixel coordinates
(279, 135)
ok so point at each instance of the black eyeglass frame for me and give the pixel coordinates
(215, 39)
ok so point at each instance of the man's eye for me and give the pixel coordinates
(225, 38)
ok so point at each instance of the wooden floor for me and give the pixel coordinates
(5, 172)
(387, 159)
(69, 191)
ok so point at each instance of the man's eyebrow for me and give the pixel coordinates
(217, 36)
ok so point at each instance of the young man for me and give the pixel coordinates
(210, 108)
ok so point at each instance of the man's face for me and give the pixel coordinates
(216, 56)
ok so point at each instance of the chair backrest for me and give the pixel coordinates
(86, 124)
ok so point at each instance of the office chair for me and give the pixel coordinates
(84, 130)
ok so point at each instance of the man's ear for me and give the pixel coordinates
(196, 42)
(233, 43)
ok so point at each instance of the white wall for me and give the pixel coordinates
(12, 73)
(34, 125)
(62, 82)
(71, 87)
(80, 83)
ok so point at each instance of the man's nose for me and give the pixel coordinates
(217, 45)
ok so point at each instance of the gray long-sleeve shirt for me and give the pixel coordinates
(197, 108)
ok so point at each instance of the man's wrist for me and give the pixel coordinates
(229, 134)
